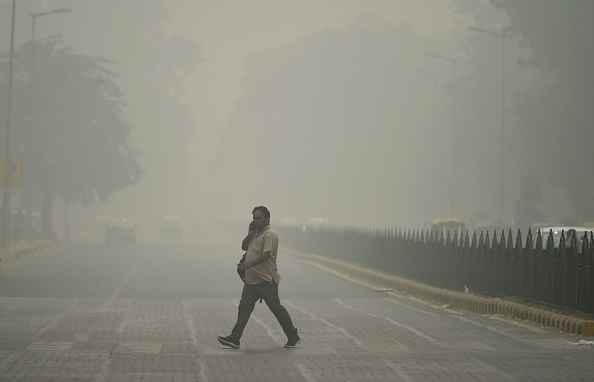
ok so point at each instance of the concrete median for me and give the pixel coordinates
(24, 249)
(21, 250)
(459, 300)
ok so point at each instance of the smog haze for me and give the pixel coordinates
(370, 113)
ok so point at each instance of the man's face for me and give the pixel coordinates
(260, 221)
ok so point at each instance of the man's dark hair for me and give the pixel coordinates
(263, 209)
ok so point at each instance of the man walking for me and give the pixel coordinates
(261, 279)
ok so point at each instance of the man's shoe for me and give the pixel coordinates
(293, 341)
(229, 341)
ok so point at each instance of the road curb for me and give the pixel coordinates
(19, 253)
(466, 301)
(22, 252)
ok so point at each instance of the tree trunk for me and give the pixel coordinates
(46, 215)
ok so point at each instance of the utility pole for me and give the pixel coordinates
(28, 188)
(453, 144)
(438, 173)
(502, 36)
(6, 209)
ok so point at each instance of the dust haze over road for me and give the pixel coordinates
(341, 109)
(375, 113)
(126, 312)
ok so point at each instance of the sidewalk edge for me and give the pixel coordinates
(466, 301)
(21, 252)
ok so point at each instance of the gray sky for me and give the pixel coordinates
(284, 54)
(229, 29)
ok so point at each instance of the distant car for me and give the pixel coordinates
(315, 222)
(452, 225)
(171, 228)
(580, 232)
(120, 230)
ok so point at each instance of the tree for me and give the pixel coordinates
(331, 121)
(554, 115)
(558, 35)
(151, 65)
(69, 126)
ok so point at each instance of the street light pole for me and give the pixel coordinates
(502, 36)
(28, 176)
(5, 234)
(453, 145)
(34, 16)
(437, 172)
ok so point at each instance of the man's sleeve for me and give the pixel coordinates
(270, 242)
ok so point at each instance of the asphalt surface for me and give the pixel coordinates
(152, 311)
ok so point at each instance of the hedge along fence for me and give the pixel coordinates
(494, 265)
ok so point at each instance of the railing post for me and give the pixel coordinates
(474, 265)
(492, 266)
(590, 275)
(472, 253)
(540, 267)
(462, 268)
(572, 278)
(562, 276)
(519, 266)
(530, 267)
(500, 278)
(559, 273)
(508, 281)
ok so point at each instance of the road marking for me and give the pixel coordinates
(398, 370)
(365, 284)
(353, 308)
(49, 346)
(415, 331)
(273, 334)
(104, 368)
(304, 372)
(192, 328)
(357, 341)
(190, 324)
(107, 305)
(490, 328)
(269, 330)
(525, 325)
(507, 322)
(139, 347)
(57, 318)
(341, 275)
(410, 307)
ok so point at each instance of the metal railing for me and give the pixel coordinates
(486, 263)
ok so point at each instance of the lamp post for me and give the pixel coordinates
(453, 148)
(437, 171)
(28, 177)
(34, 17)
(502, 36)
(5, 229)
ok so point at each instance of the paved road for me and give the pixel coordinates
(151, 312)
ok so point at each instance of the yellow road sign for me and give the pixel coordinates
(10, 171)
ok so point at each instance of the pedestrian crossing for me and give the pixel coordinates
(171, 338)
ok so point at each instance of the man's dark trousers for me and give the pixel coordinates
(269, 293)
